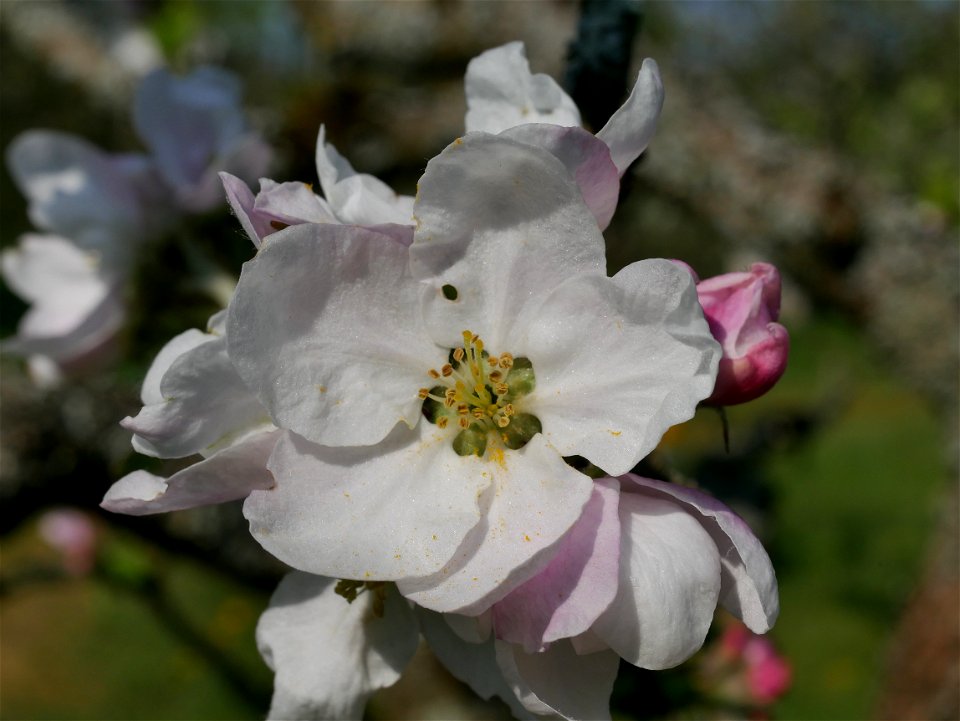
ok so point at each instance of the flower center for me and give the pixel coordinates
(479, 394)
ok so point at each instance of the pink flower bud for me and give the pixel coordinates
(741, 310)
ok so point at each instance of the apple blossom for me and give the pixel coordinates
(194, 127)
(73, 534)
(108, 205)
(76, 305)
(741, 309)
(557, 360)
(396, 388)
(104, 203)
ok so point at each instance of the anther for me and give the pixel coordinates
(506, 361)
(442, 421)
(423, 393)
(463, 409)
(446, 370)
(508, 409)
(463, 422)
(493, 361)
(458, 354)
(496, 376)
(478, 413)
(503, 421)
(432, 373)
(501, 389)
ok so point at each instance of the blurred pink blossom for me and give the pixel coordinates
(74, 535)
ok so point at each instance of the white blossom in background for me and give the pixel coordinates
(101, 208)
(395, 387)
(194, 128)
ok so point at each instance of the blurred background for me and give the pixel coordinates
(822, 137)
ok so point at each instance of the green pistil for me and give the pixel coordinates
(479, 394)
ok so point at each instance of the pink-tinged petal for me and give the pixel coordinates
(533, 500)
(241, 200)
(325, 328)
(402, 234)
(80, 192)
(631, 128)
(749, 584)
(473, 663)
(275, 207)
(560, 681)
(586, 158)
(358, 198)
(488, 202)
(330, 655)
(742, 379)
(741, 309)
(394, 510)
(669, 584)
(566, 597)
(502, 92)
(292, 203)
(618, 361)
(225, 476)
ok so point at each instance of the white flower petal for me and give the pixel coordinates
(394, 510)
(565, 598)
(502, 92)
(358, 198)
(175, 347)
(669, 584)
(504, 223)
(585, 158)
(203, 404)
(618, 361)
(330, 655)
(473, 663)
(749, 584)
(226, 476)
(533, 500)
(76, 307)
(559, 680)
(473, 629)
(631, 128)
(325, 328)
